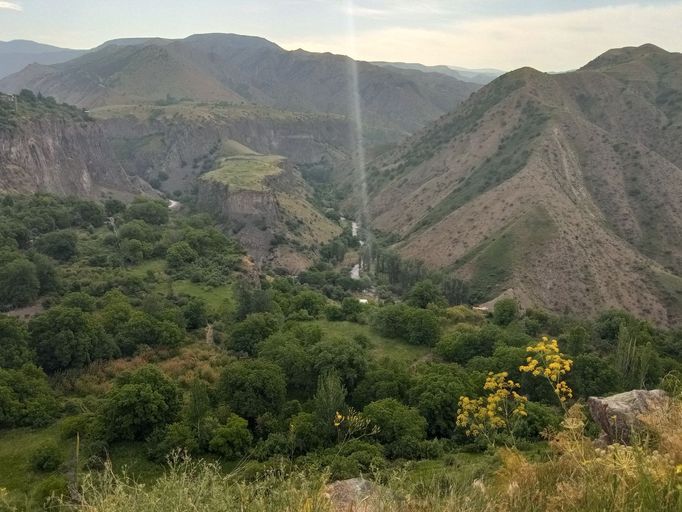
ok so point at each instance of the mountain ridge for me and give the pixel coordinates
(228, 67)
(546, 183)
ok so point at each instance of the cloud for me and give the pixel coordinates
(12, 6)
(549, 41)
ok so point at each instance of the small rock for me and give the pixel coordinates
(617, 415)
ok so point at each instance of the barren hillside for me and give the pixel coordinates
(567, 188)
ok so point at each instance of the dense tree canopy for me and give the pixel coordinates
(139, 403)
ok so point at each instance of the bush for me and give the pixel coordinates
(253, 388)
(467, 342)
(50, 491)
(19, 283)
(505, 311)
(47, 457)
(139, 403)
(26, 398)
(232, 439)
(60, 245)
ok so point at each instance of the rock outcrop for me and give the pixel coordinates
(62, 157)
(618, 415)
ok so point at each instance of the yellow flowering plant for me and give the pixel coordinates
(353, 425)
(499, 409)
(547, 361)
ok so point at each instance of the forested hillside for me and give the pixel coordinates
(135, 332)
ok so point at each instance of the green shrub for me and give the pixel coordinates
(47, 457)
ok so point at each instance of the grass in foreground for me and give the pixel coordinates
(577, 477)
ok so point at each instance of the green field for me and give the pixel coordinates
(16, 447)
(244, 172)
(380, 347)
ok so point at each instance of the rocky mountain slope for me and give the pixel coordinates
(16, 55)
(240, 69)
(46, 147)
(566, 188)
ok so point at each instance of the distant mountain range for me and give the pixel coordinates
(476, 76)
(16, 55)
(566, 188)
(241, 69)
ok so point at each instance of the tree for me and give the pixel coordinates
(505, 311)
(26, 398)
(65, 338)
(343, 356)
(305, 433)
(414, 325)
(139, 403)
(395, 420)
(138, 230)
(88, 213)
(435, 392)
(283, 349)
(309, 301)
(466, 343)
(113, 206)
(60, 245)
(384, 379)
(253, 330)
(607, 326)
(152, 212)
(329, 400)
(351, 309)
(180, 254)
(592, 376)
(424, 293)
(423, 327)
(79, 300)
(232, 439)
(252, 388)
(132, 251)
(253, 300)
(391, 320)
(19, 284)
(14, 350)
(143, 329)
(46, 272)
(195, 313)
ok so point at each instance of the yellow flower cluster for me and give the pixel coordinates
(546, 360)
(485, 415)
(338, 419)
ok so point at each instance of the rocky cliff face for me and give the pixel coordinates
(61, 157)
(252, 215)
(276, 222)
(180, 147)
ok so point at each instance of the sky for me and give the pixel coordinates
(550, 35)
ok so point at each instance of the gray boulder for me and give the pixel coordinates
(618, 415)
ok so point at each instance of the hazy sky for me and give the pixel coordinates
(549, 35)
